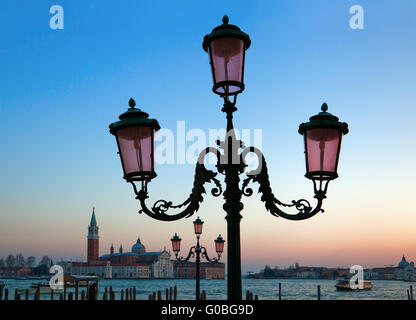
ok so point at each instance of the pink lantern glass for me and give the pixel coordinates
(136, 150)
(322, 152)
(198, 226)
(227, 64)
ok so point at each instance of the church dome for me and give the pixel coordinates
(403, 263)
(138, 247)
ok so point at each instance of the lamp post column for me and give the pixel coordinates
(233, 208)
(198, 261)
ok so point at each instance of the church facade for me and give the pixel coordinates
(137, 263)
(405, 270)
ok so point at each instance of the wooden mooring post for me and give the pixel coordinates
(319, 292)
(76, 290)
(175, 293)
(6, 294)
(411, 292)
(37, 293)
(170, 293)
(280, 291)
(1, 290)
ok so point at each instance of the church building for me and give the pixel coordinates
(134, 264)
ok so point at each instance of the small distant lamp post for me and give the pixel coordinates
(197, 251)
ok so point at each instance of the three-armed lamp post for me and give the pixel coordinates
(197, 251)
(226, 46)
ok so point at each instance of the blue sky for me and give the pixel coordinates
(59, 90)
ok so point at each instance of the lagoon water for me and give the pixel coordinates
(266, 289)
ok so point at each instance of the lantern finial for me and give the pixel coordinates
(225, 19)
(324, 107)
(132, 103)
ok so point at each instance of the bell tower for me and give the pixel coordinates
(92, 239)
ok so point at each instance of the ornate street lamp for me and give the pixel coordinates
(197, 251)
(226, 46)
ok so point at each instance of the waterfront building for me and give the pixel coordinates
(371, 274)
(208, 270)
(134, 264)
(307, 274)
(405, 270)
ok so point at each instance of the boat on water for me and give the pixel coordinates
(345, 285)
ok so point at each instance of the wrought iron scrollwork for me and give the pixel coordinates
(202, 175)
(204, 254)
(191, 254)
(260, 175)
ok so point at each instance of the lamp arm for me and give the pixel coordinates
(260, 175)
(191, 254)
(202, 176)
(204, 254)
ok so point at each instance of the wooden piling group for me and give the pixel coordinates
(170, 294)
(130, 294)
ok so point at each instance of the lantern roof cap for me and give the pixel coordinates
(133, 117)
(175, 238)
(198, 220)
(226, 30)
(220, 239)
(324, 119)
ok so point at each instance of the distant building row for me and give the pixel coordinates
(403, 271)
(137, 263)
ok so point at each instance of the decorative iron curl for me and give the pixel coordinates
(202, 175)
(191, 254)
(204, 254)
(260, 175)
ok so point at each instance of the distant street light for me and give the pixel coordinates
(197, 251)
(226, 46)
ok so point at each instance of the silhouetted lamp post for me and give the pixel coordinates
(226, 46)
(197, 251)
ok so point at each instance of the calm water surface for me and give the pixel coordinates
(266, 289)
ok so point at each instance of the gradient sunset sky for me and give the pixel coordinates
(60, 89)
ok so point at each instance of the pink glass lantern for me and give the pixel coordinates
(198, 226)
(176, 243)
(135, 140)
(323, 136)
(219, 244)
(226, 46)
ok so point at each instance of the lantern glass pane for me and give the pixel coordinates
(198, 228)
(176, 245)
(136, 148)
(322, 145)
(227, 56)
(219, 246)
